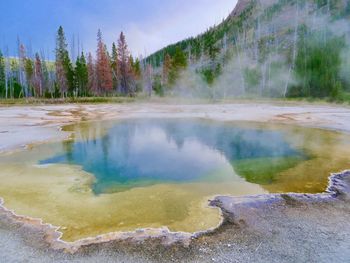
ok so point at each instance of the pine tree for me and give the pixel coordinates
(137, 69)
(132, 64)
(166, 69)
(47, 79)
(104, 71)
(28, 67)
(148, 80)
(81, 75)
(2, 76)
(29, 71)
(7, 74)
(92, 86)
(131, 61)
(21, 70)
(61, 61)
(69, 70)
(179, 60)
(38, 76)
(125, 71)
(114, 65)
(77, 73)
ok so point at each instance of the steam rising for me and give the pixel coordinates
(260, 60)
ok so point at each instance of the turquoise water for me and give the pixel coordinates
(138, 153)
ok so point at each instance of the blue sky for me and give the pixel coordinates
(148, 24)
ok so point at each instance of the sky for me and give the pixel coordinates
(148, 25)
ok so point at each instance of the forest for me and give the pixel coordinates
(107, 74)
(264, 54)
(253, 53)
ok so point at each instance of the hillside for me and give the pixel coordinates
(273, 48)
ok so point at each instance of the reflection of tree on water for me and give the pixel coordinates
(130, 153)
(234, 142)
(68, 149)
(105, 146)
(257, 155)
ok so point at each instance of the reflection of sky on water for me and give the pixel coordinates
(143, 152)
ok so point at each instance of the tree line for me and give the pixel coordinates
(248, 54)
(105, 74)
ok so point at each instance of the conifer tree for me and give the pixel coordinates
(125, 69)
(77, 72)
(81, 75)
(61, 62)
(7, 74)
(2, 76)
(137, 69)
(92, 86)
(179, 62)
(28, 68)
(15, 88)
(132, 64)
(47, 77)
(29, 71)
(166, 69)
(148, 80)
(21, 70)
(38, 76)
(104, 71)
(114, 65)
(69, 70)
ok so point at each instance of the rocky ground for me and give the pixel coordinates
(270, 228)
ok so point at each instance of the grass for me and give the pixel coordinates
(83, 100)
(344, 99)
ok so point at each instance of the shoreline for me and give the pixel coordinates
(43, 122)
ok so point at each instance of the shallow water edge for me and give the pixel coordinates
(338, 189)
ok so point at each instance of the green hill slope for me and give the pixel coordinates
(272, 48)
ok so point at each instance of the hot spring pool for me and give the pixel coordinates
(149, 173)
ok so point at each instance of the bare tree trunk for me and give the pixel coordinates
(225, 43)
(263, 84)
(241, 69)
(257, 37)
(328, 7)
(295, 39)
(257, 51)
(7, 71)
(269, 72)
(79, 46)
(22, 77)
(328, 14)
(73, 56)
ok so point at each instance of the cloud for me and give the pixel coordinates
(182, 23)
(168, 24)
(148, 24)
